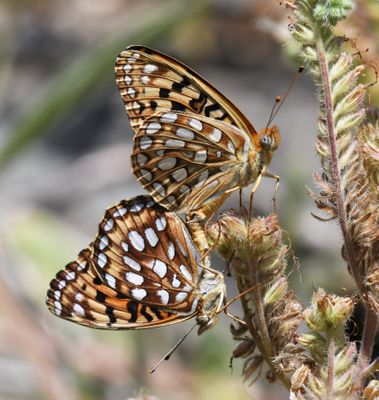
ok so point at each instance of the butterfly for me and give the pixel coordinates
(192, 146)
(141, 271)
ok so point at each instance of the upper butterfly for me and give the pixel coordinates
(192, 145)
(142, 271)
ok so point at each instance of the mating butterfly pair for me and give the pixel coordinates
(192, 148)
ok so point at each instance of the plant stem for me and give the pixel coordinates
(330, 377)
(257, 338)
(350, 254)
(371, 322)
(367, 344)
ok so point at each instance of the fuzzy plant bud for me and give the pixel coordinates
(257, 258)
(328, 312)
(329, 12)
(276, 292)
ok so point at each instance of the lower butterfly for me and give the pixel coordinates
(142, 271)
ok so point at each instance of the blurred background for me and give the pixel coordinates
(65, 142)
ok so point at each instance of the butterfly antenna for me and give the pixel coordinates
(171, 351)
(270, 118)
(294, 80)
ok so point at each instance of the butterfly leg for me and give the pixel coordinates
(253, 190)
(277, 178)
(225, 310)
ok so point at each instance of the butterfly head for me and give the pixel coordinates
(269, 139)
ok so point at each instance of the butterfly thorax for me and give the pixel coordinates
(212, 291)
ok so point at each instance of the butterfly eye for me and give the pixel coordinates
(265, 141)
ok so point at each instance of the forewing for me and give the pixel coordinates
(185, 160)
(79, 295)
(150, 82)
(142, 251)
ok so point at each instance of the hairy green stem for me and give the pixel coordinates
(267, 356)
(330, 377)
(335, 166)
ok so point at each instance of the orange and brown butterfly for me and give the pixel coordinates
(192, 145)
(142, 271)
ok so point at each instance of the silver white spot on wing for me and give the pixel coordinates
(169, 117)
(61, 284)
(138, 294)
(57, 307)
(127, 79)
(70, 275)
(145, 142)
(57, 294)
(160, 268)
(167, 163)
(181, 296)
(109, 225)
(136, 207)
(79, 296)
(231, 147)
(161, 223)
(149, 68)
(110, 280)
(163, 294)
(131, 92)
(127, 68)
(159, 189)
(201, 156)
(134, 278)
(181, 248)
(141, 159)
(145, 174)
(120, 212)
(145, 79)
(185, 272)
(175, 143)
(131, 263)
(125, 246)
(151, 237)
(171, 251)
(216, 135)
(81, 265)
(104, 241)
(102, 260)
(185, 133)
(153, 127)
(175, 282)
(79, 310)
(196, 124)
(136, 240)
(180, 174)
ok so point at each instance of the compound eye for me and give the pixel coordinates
(265, 141)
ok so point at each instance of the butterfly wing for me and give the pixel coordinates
(186, 160)
(150, 81)
(79, 295)
(145, 253)
(140, 272)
